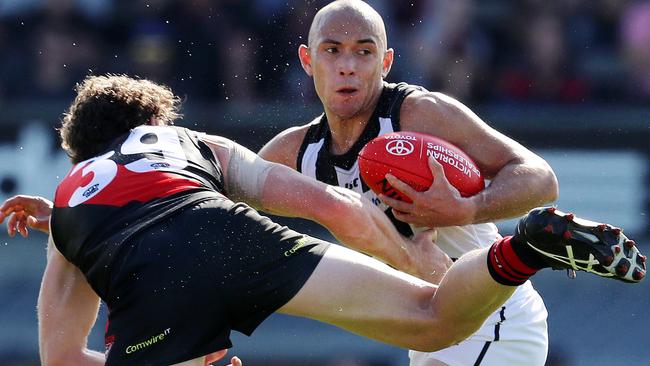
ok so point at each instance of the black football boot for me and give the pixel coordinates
(568, 242)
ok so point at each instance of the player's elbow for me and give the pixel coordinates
(540, 180)
(551, 185)
(554, 188)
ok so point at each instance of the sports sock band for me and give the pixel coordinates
(505, 264)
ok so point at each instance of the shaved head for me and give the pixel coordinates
(348, 57)
(357, 10)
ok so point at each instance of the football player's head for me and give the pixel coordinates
(109, 106)
(347, 56)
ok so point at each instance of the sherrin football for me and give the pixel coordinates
(405, 154)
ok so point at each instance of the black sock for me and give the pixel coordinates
(527, 254)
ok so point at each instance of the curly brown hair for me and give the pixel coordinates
(107, 107)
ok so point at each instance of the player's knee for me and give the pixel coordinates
(437, 335)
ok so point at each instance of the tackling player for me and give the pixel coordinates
(146, 221)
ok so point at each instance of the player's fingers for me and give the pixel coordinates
(11, 224)
(11, 230)
(7, 209)
(17, 223)
(396, 204)
(22, 228)
(235, 361)
(214, 357)
(15, 203)
(402, 216)
(401, 186)
(437, 170)
(38, 224)
(32, 222)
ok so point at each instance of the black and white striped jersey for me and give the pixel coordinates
(315, 160)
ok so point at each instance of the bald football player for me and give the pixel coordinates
(348, 57)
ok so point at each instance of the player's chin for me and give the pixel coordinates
(345, 109)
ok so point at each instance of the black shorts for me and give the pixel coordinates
(180, 286)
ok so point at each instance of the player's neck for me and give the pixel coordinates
(345, 132)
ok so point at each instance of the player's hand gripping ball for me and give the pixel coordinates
(405, 155)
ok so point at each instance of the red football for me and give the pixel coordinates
(405, 154)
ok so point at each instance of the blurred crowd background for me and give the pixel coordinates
(568, 78)
(527, 51)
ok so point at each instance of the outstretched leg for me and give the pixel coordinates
(364, 296)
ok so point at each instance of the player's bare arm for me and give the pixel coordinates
(283, 148)
(350, 217)
(520, 179)
(67, 309)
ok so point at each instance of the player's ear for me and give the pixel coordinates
(305, 59)
(387, 62)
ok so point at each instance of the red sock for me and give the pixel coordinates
(505, 266)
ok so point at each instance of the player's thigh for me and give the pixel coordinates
(358, 293)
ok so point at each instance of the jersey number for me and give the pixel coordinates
(143, 139)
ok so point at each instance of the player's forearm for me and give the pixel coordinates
(352, 219)
(516, 189)
(361, 226)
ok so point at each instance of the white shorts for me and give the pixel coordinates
(516, 334)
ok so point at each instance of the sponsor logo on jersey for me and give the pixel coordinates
(153, 340)
(352, 184)
(399, 147)
(92, 189)
(159, 165)
(299, 244)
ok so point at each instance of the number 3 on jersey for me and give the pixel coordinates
(143, 139)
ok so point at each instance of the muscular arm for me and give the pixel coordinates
(520, 179)
(67, 309)
(283, 148)
(350, 217)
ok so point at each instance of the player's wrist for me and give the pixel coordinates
(408, 261)
(468, 210)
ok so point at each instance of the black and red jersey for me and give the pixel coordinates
(146, 175)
